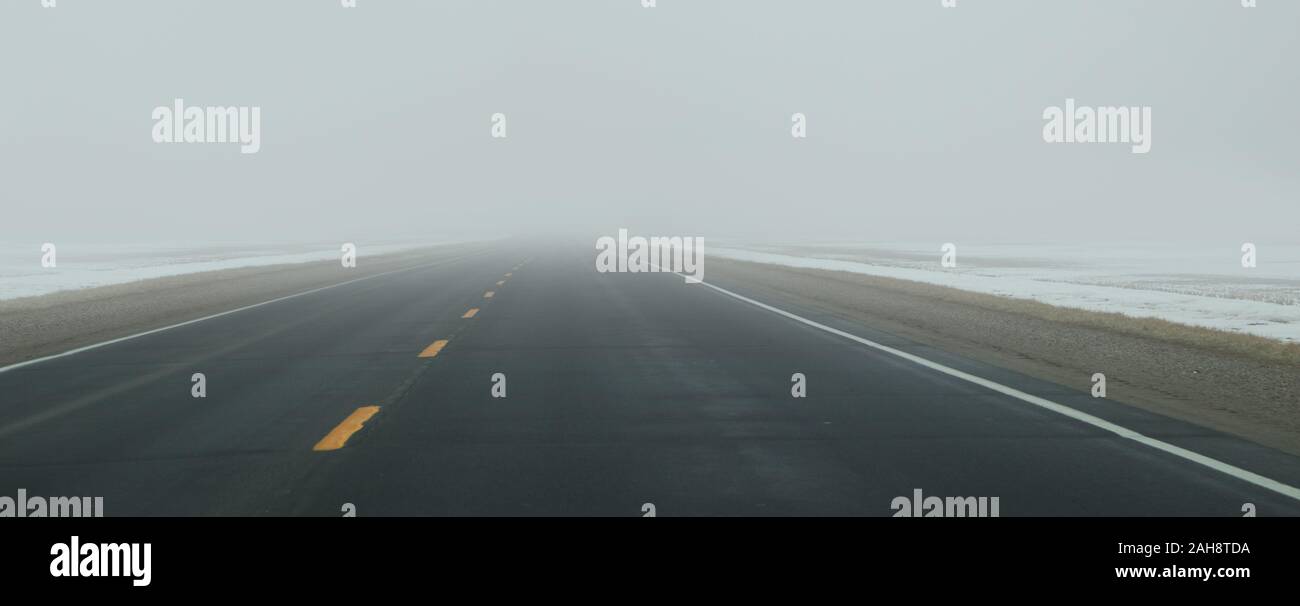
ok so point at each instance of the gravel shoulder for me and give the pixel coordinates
(33, 327)
(1238, 384)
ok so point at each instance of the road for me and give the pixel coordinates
(621, 390)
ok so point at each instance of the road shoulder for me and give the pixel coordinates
(50, 324)
(1187, 373)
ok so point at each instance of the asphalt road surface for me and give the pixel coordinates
(621, 390)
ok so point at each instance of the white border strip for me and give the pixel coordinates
(1123, 432)
(216, 315)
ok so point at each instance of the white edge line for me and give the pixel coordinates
(197, 320)
(1123, 432)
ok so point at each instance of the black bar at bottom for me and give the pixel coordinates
(204, 557)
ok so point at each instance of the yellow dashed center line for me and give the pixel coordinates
(473, 311)
(500, 282)
(433, 350)
(489, 294)
(508, 274)
(335, 440)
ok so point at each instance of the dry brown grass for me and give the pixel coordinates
(1239, 384)
(1222, 341)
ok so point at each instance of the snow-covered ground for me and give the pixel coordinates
(89, 265)
(1197, 285)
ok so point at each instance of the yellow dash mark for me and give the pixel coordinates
(500, 282)
(488, 295)
(473, 311)
(335, 440)
(508, 274)
(433, 350)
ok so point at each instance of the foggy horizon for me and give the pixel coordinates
(923, 124)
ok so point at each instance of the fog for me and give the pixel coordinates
(924, 123)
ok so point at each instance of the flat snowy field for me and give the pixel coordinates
(1189, 284)
(89, 265)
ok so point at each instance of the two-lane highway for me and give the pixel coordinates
(619, 390)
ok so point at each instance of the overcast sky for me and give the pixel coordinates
(924, 123)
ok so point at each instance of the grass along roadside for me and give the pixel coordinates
(1240, 384)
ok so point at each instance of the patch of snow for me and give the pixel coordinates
(1195, 286)
(90, 265)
